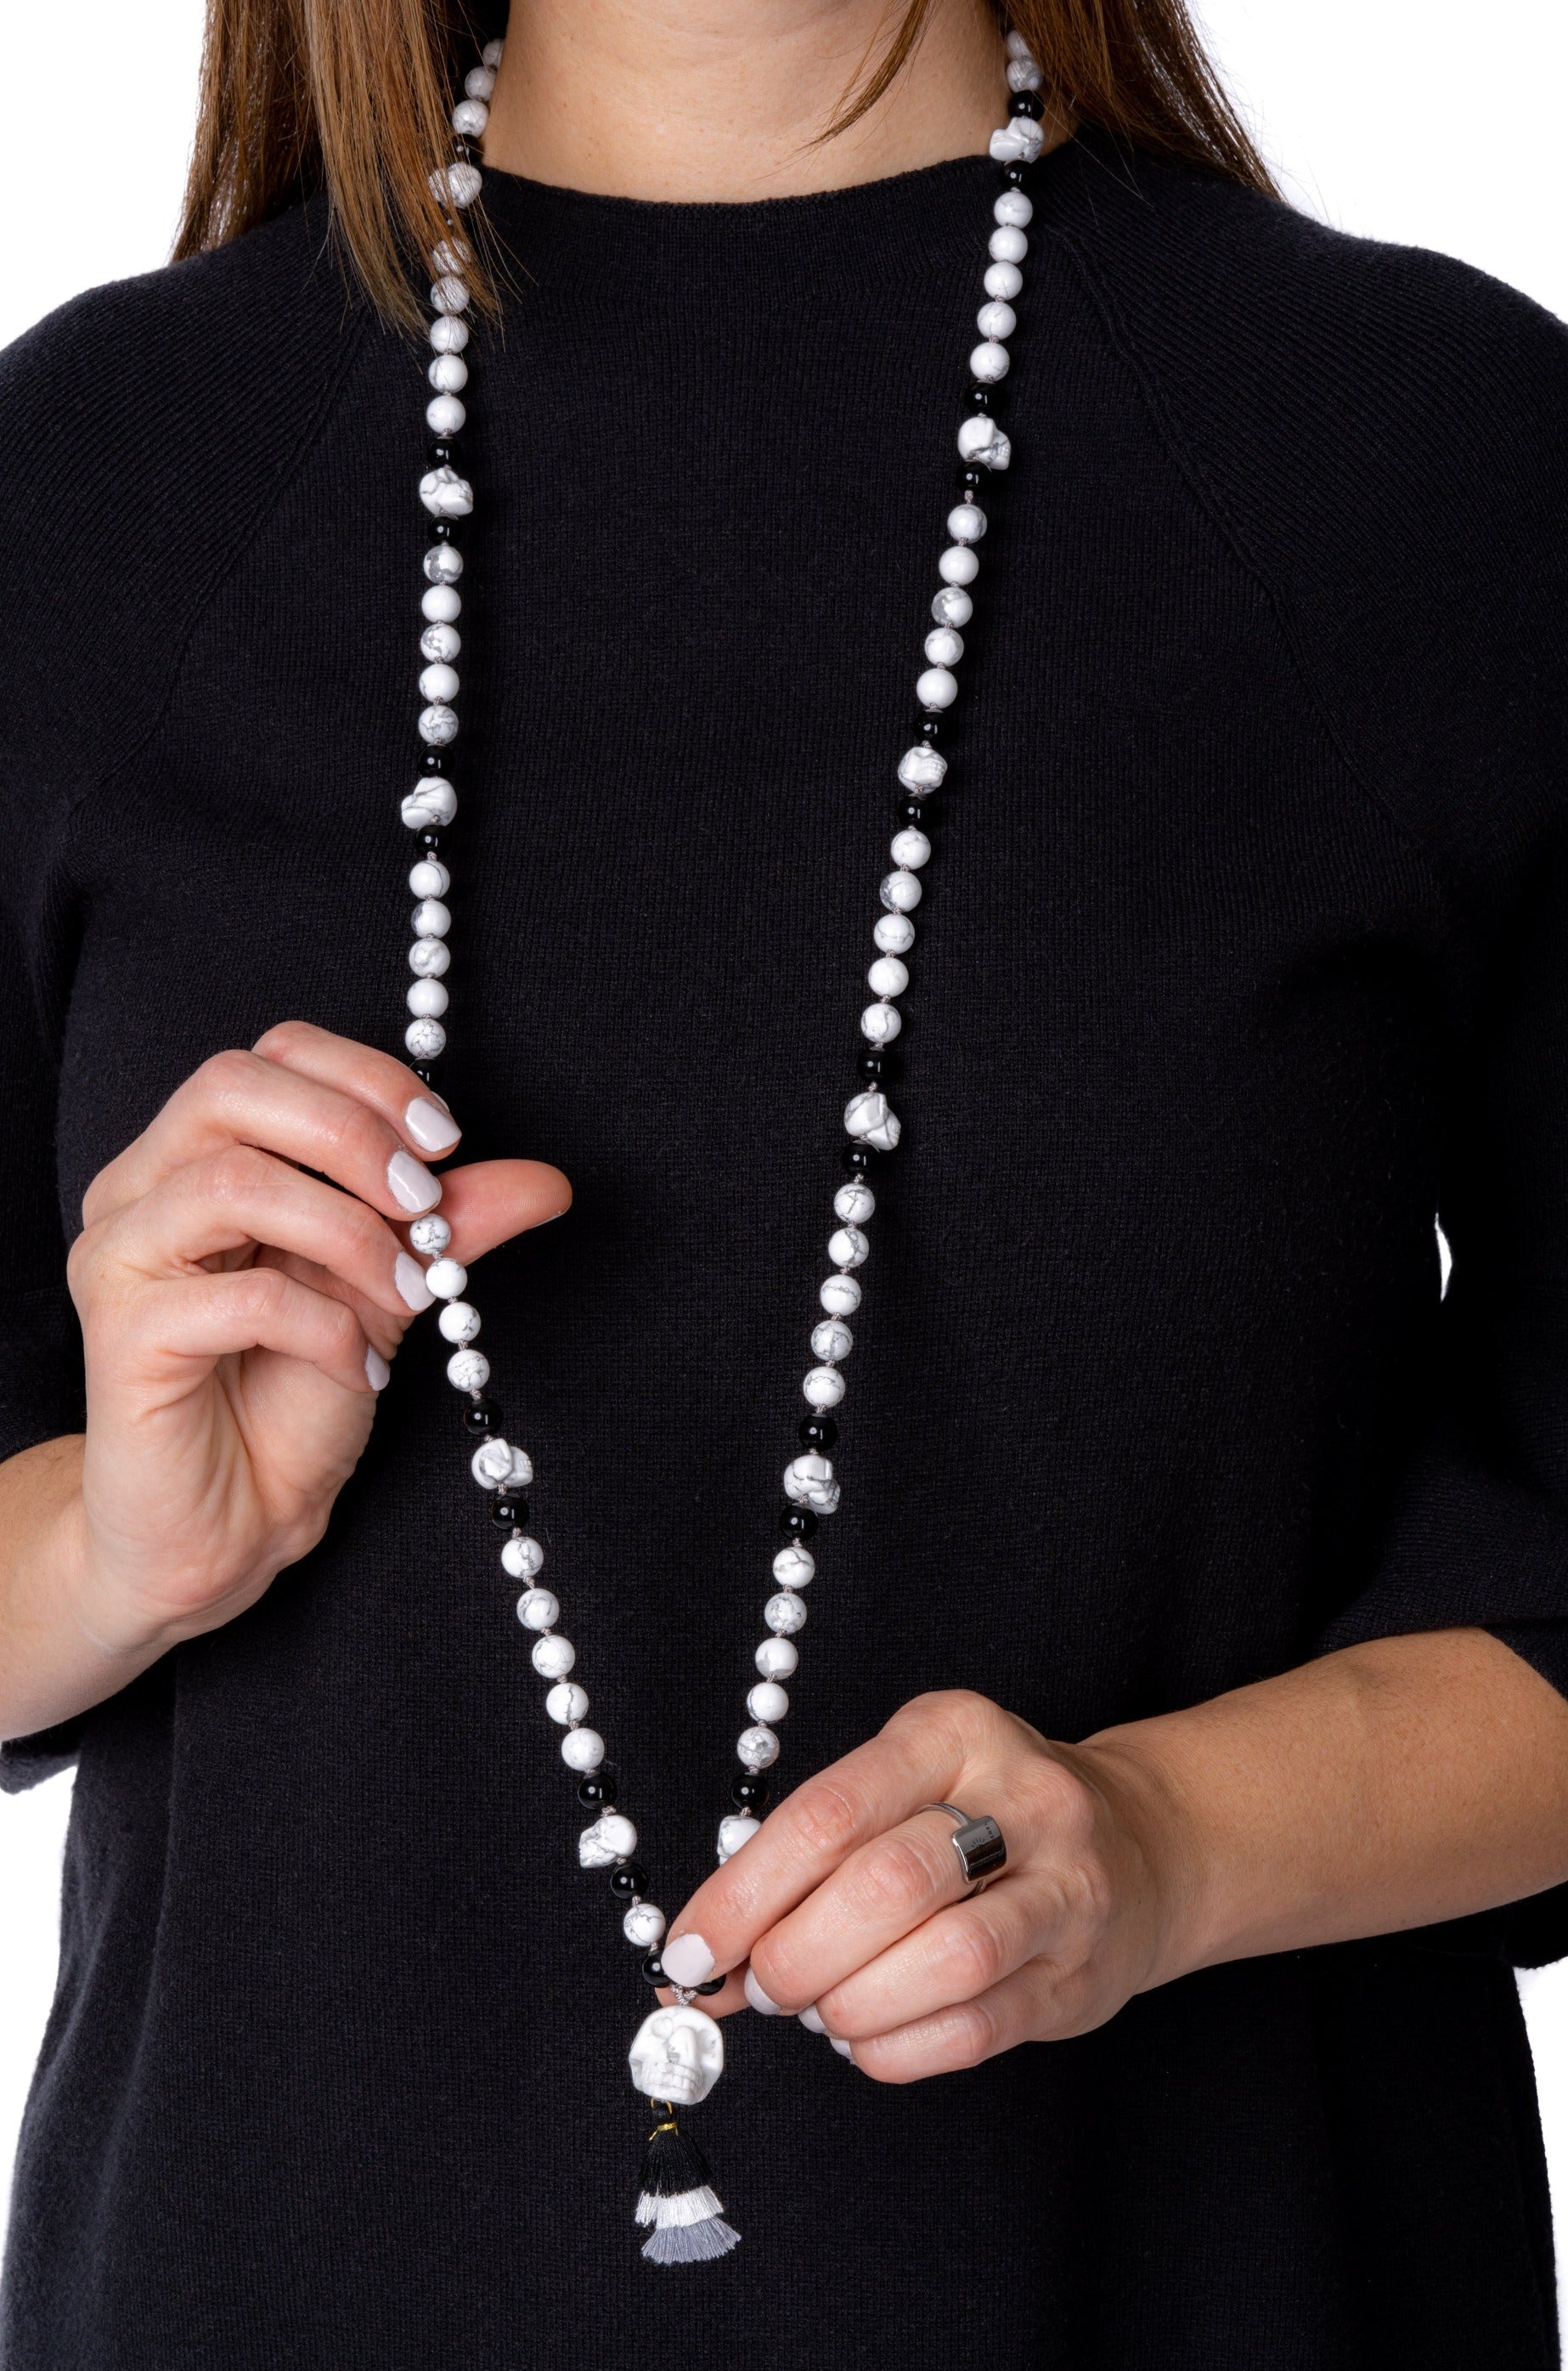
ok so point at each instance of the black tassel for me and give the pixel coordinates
(679, 2201)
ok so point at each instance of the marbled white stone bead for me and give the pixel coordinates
(445, 414)
(431, 918)
(966, 522)
(936, 689)
(456, 185)
(879, 1024)
(451, 255)
(438, 682)
(951, 606)
(767, 1701)
(442, 564)
(553, 1657)
(471, 116)
(734, 1832)
(467, 1371)
(1015, 208)
(870, 1118)
(1024, 74)
(448, 333)
(989, 362)
(757, 1748)
(776, 1658)
(888, 976)
(855, 1203)
(793, 1566)
(840, 1296)
(480, 81)
(1018, 142)
(832, 1340)
(643, 1926)
(440, 644)
(438, 725)
(808, 1482)
(428, 877)
(583, 1750)
(430, 1234)
(429, 801)
(448, 374)
(566, 1702)
(996, 320)
(444, 494)
(522, 1557)
(493, 1464)
(425, 1038)
(459, 1321)
(785, 1614)
(901, 892)
(427, 999)
(960, 565)
(848, 1247)
(1008, 243)
(920, 769)
(910, 849)
(612, 1838)
(823, 1387)
(943, 647)
(980, 440)
(1004, 281)
(536, 1608)
(442, 604)
(429, 957)
(895, 934)
(449, 1280)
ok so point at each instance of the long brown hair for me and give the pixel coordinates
(350, 97)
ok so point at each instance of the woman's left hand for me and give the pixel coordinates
(850, 1898)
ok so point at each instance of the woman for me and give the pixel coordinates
(1187, 1534)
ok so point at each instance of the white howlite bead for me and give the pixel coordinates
(1018, 46)
(451, 255)
(808, 1482)
(757, 1748)
(583, 1748)
(443, 564)
(785, 1614)
(767, 1701)
(910, 848)
(996, 320)
(480, 81)
(1024, 75)
(430, 1234)
(966, 522)
(493, 52)
(855, 1203)
(448, 374)
(448, 294)
(429, 957)
(456, 185)
(438, 725)
(441, 605)
(471, 116)
(438, 682)
(840, 1296)
(943, 647)
(848, 1248)
(1014, 209)
(433, 801)
(1018, 141)
(444, 494)
(894, 933)
(427, 999)
(424, 1038)
(901, 892)
(643, 1924)
(952, 606)
(566, 1702)
(440, 644)
(1003, 280)
(868, 1117)
(1008, 243)
(448, 333)
(459, 1321)
(879, 1024)
(793, 1566)
(491, 1463)
(431, 918)
(611, 1838)
(445, 414)
(467, 1371)
(776, 1658)
(980, 439)
(552, 1659)
(448, 1278)
(522, 1557)
(832, 1340)
(989, 362)
(823, 1387)
(921, 769)
(734, 1832)
(536, 1608)
(960, 565)
(429, 878)
(936, 688)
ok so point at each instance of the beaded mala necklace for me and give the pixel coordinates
(678, 2053)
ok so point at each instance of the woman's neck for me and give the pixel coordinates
(694, 99)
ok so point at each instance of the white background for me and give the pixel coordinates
(1429, 122)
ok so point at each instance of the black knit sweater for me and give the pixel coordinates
(1245, 954)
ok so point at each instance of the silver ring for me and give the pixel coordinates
(980, 1844)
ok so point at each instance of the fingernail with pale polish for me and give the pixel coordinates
(409, 1278)
(687, 1960)
(412, 1182)
(845, 2049)
(433, 1129)
(810, 2021)
(759, 1999)
(378, 1374)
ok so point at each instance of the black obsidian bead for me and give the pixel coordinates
(443, 454)
(930, 729)
(424, 1072)
(654, 1970)
(981, 398)
(629, 1877)
(1015, 176)
(798, 1523)
(440, 530)
(598, 1791)
(432, 763)
(973, 481)
(714, 1985)
(752, 1793)
(816, 1432)
(1026, 102)
(510, 1514)
(873, 1067)
(857, 1158)
(482, 1417)
(922, 813)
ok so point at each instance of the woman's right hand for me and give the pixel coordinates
(238, 1313)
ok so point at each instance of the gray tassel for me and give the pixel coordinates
(679, 2200)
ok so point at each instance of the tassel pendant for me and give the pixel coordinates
(678, 2055)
